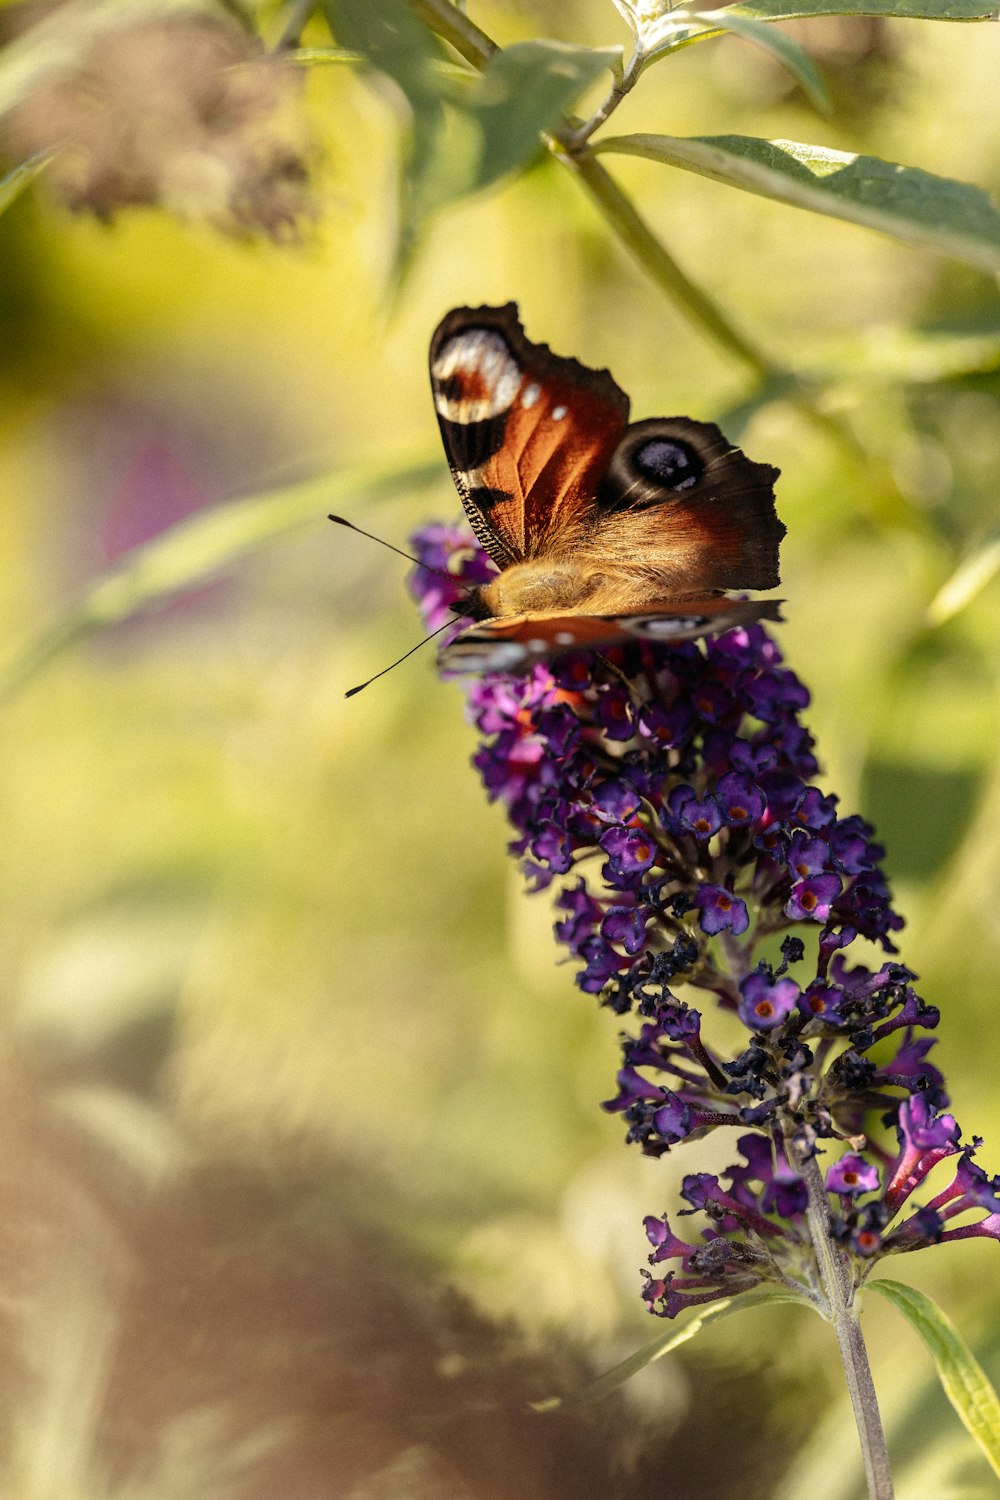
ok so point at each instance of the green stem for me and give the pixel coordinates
(838, 1287)
(455, 27)
(294, 22)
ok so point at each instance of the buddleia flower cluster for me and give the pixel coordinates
(668, 793)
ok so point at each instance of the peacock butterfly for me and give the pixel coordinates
(603, 531)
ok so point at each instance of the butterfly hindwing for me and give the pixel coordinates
(528, 434)
(695, 511)
(515, 644)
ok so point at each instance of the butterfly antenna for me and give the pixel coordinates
(351, 691)
(342, 521)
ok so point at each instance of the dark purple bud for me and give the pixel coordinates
(673, 1119)
(626, 926)
(614, 712)
(813, 810)
(785, 1195)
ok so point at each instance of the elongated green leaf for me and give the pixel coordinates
(649, 1353)
(964, 1380)
(954, 218)
(785, 48)
(971, 576)
(916, 10)
(202, 546)
(524, 90)
(663, 30)
(311, 57)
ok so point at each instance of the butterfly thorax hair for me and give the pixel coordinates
(544, 586)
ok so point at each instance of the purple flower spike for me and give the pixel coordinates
(721, 911)
(670, 790)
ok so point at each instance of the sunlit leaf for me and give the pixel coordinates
(954, 218)
(311, 57)
(200, 547)
(965, 1382)
(785, 48)
(649, 1353)
(524, 90)
(665, 30)
(918, 10)
(971, 576)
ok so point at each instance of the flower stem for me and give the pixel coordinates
(838, 1287)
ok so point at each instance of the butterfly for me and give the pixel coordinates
(603, 531)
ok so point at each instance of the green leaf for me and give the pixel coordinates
(394, 42)
(649, 1353)
(953, 218)
(201, 546)
(971, 576)
(916, 10)
(663, 30)
(310, 57)
(964, 1380)
(781, 46)
(664, 33)
(525, 90)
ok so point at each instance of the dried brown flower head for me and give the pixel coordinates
(185, 111)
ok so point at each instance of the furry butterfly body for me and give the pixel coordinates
(602, 531)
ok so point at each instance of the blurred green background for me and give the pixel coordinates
(282, 926)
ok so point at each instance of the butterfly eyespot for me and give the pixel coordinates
(669, 463)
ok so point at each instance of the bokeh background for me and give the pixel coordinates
(287, 1049)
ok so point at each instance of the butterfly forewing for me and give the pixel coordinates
(528, 434)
